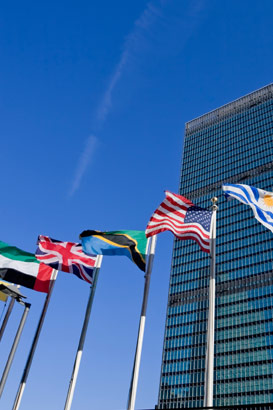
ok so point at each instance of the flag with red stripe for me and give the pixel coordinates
(185, 220)
(66, 256)
(22, 268)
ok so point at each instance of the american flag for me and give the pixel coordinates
(185, 220)
(66, 256)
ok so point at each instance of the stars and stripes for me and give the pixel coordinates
(259, 200)
(185, 220)
(66, 256)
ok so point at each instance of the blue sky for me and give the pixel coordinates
(94, 97)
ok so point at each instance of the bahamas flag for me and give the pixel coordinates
(128, 243)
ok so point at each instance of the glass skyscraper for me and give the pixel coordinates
(234, 144)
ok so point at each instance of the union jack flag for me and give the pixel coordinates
(66, 256)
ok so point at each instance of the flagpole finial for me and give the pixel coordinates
(214, 201)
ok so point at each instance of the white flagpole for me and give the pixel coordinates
(6, 318)
(14, 346)
(134, 379)
(208, 398)
(22, 385)
(78, 357)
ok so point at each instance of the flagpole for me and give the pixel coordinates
(208, 390)
(6, 318)
(7, 315)
(78, 357)
(14, 346)
(22, 385)
(135, 372)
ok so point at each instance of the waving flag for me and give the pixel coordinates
(259, 200)
(185, 220)
(22, 268)
(129, 243)
(66, 256)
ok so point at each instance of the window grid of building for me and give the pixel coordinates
(234, 141)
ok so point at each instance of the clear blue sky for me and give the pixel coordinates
(93, 101)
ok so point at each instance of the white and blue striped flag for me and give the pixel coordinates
(260, 201)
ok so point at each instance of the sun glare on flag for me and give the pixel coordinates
(268, 201)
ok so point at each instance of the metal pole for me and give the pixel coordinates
(78, 357)
(22, 385)
(6, 318)
(208, 398)
(135, 373)
(14, 347)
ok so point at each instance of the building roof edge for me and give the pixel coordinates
(228, 109)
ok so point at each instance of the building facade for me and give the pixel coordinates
(234, 144)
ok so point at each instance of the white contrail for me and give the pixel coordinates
(175, 29)
(85, 158)
(131, 46)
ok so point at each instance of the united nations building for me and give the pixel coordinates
(232, 144)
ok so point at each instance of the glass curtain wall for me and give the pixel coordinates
(231, 144)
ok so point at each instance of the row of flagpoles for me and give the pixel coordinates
(176, 214)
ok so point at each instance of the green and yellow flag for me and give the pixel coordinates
(129, 243)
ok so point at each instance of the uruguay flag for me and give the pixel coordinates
(260, 201)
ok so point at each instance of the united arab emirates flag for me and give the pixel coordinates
(129, 243)
(23, 268)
